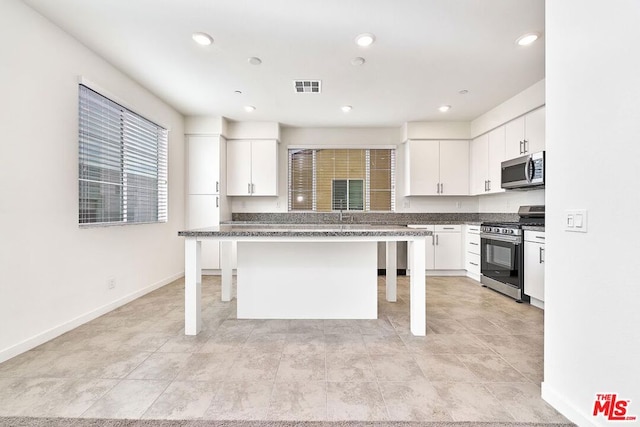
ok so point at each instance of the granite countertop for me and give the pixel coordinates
(303, 230)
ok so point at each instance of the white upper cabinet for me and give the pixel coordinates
(436, 168)
(526, 134)
(454, 168)
(479, 170)
(203, 164)
(252, 168)
(487, 154)
(496, 157)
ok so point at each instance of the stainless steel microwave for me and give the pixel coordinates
(523, 173)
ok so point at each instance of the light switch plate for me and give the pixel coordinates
(575, 220)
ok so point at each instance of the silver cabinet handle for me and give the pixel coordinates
(437, 188)
(448, 228)
(217, 187)
(474, 243)
(253, 188)
(489, 185)
(249, 188)
(433, 240)
(540, 237)
(473, 263)
(541, 255)
(217, 202)
(485, 185)
(436, 239)
(525, 143)
(521, 147)
(441, 188)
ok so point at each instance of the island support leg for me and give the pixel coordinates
(193, 286)
(226, 269)
(417, 287)
(391, 279)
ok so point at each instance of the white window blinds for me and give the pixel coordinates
(326, 180)
(122, 164)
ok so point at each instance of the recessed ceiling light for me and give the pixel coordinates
(346, 108)
(463, 92)
(249, 108)
(203, 39)
(365, 39)
(444, 108)
(358, 61)
(527, 39)
(254, 60)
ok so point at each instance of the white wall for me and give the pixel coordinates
(592, 320)
(52, 273)
(527, 100)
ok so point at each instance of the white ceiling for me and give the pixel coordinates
(425, 53)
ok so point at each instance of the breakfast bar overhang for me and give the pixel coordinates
(293, 271)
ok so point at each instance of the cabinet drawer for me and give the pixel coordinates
(534, 236)
(451, 228)
(473, 263)
(473, 245)
(474, 229)
(422, 226)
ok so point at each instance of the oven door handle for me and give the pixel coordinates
(507, 239)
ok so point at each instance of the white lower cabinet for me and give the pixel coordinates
(472, 251)
(204, 211)
(534, 267)
(444, 247)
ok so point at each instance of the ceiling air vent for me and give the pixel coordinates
(307, 86)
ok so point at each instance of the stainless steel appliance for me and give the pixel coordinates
(502, 253)
(523, 173)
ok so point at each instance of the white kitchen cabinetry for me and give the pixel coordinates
(203, 164)
(472, 251)
(252, 168)
(203, 191)
(444, 248)
(534, 266)
(437, 168)
(526, 134)
(487, 154)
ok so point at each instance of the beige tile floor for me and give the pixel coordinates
(480, 361)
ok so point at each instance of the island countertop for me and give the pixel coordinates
(305, 230)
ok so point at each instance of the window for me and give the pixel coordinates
(326, 180)
(122, 164)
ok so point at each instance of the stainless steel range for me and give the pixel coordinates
(502, 254)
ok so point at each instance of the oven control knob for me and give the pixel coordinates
(510, 231)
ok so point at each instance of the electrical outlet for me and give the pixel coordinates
(111, 283)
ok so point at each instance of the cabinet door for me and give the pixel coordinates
(448, 254)
(430, 253)
(496, 156)
(479, 153)
(514, 135)
(238, 167)
(535, 130)
(423, 159)
(454, 168)
(534, 270)
(203, 167)
(264, 168)
(203, 211)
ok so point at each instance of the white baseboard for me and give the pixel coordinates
(473, 276)
(553, 398)
(56, 331)
(442, 272)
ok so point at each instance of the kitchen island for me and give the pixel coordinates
(299, 271)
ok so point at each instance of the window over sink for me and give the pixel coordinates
(335, 179)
